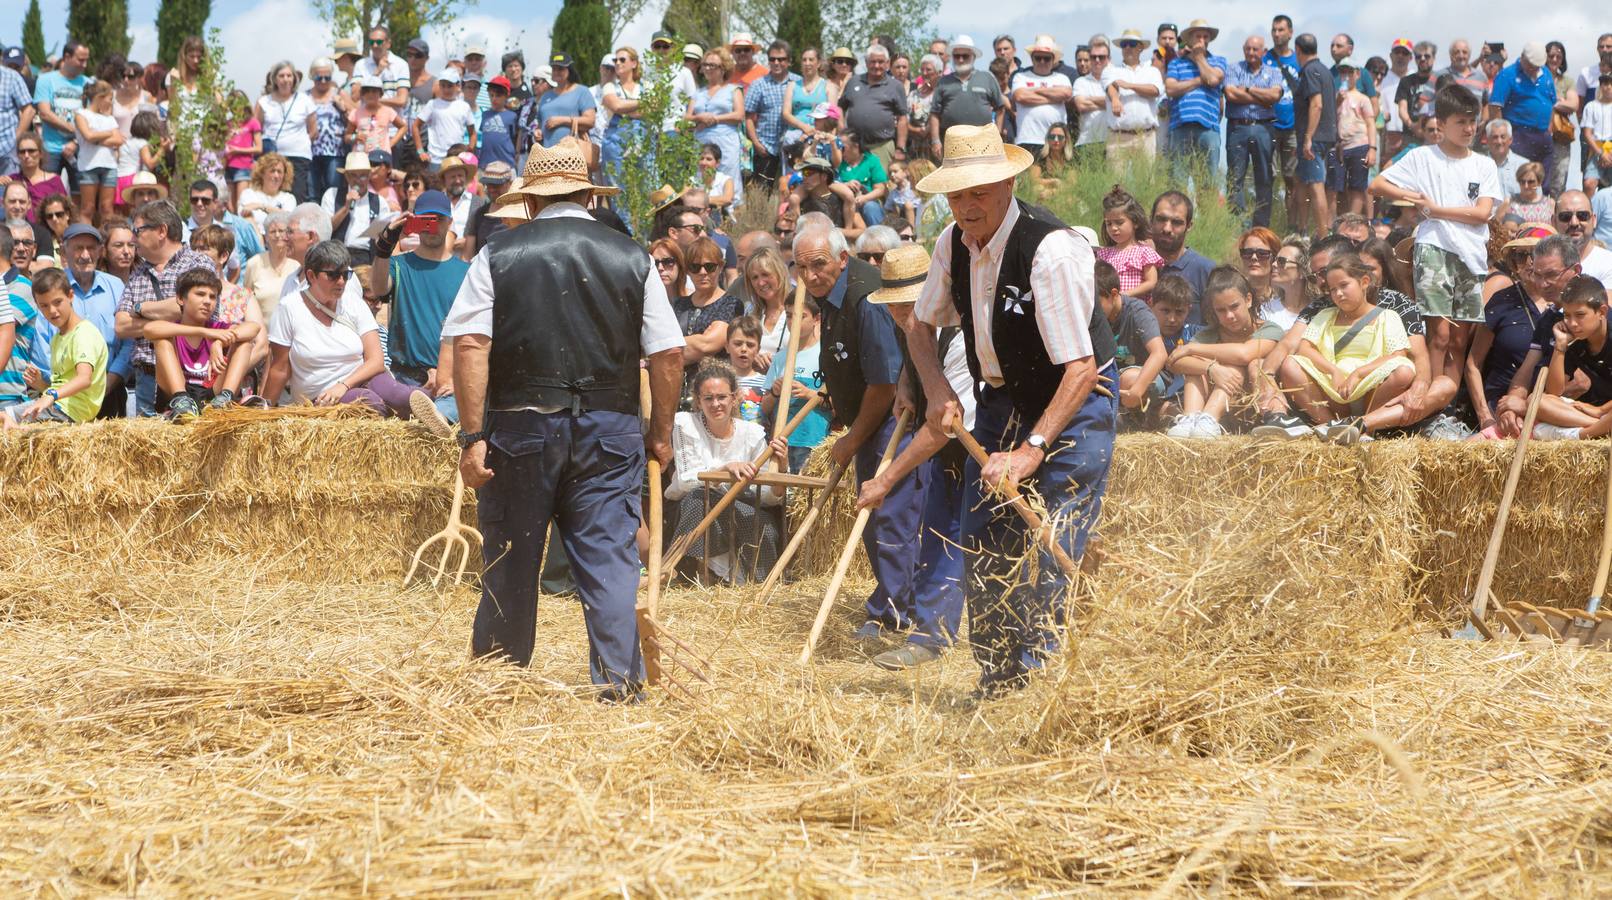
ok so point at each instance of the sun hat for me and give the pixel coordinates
(345, 47)
(742, 39)
(433, 203)
(497, 172)
(145, 181)
(1043, 43)
(965, 42)
(902, 273)
(826, 111)
(449, 75)
(1131, 34)
(975, 155)
(693, 51)
(842, 53)
(82, 229)
(461, 161)
(1199, 25)
(552, 172)
(1528, 234)
(662, 197)
(357, 161)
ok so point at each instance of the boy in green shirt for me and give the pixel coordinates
(77, 361)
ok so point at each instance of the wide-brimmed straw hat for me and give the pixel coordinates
(1198, 25)
(975, 155)
(902, 274)
(662, 197)
(458, 161)
(145, 181)
(1131, 34)
(357, 161)
(552, 172)
(1528, 234)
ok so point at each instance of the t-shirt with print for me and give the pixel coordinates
(1450, 181)
(444, 122)
(83, 344)
(1133, 328)
(65, 96)
(497, 134)
(1315, 80)
(1596, 364)
(1033, 121)
(195, 357)
(373, 130)
(1354, 114)
(1416, 90)
(751, 387)
(1289, 66)
(808, 372)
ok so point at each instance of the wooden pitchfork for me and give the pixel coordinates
(454, 536)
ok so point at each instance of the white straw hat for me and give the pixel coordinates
(975, 155)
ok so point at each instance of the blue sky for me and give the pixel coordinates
(258, 34)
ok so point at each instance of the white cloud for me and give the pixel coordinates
(267, 33)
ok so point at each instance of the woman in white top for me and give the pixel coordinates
(266, 192)
(98, 143)
(766, 277)
(287, 116)
(326, 348)
(710, 439)
(1289, 275)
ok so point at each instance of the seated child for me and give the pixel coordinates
(744, 342)
(1138, 349)
(78, 359)
(1172, 305)
(200, 357)
(236, 304)
(1355, 355)
(1581, 345)
(1217, 363)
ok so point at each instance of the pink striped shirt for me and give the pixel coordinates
(1060, 283)
(1129, 263)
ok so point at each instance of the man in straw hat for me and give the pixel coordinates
(937, 596)
(1194, 81)
(353, 207)
(548, 330)
(1020, 285)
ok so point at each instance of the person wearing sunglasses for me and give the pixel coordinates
(1529, 200)
(151, 294)
(396, 75)
(967, 95)
(1040, 95)
(1575, 218)
(765, 101)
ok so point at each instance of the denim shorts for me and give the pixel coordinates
(107, 176)
(239, 175)
(1314, 171)
(1353, 174)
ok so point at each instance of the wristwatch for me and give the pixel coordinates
(468, 438)
(1037, 442)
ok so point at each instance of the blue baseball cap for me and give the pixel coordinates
(80, 229)
(380, 158)
(14, 56)
(433, 203)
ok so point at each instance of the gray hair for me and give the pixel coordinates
(311, 217)
(327, 256)
(1560, 246)
(161, 212)
(930, 59)
(1498, 126)
(877, 238)
(813, 220)
(833, 236)
(876, 51)
(279, 217)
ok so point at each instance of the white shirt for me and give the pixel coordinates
(472, 310)
(1137, 113)
(683, 88)
(696, 450)
(96, 156)
(955, 368)
(286, 124)
(394, 73)
(294, 283)
(1589, 79)
(1597, 263)
(284, 201)
(1597, 117)
(1033, 121)
(1508, 173)
(321, 355)
(1447, 181)
(358, 218)
(1273, 310)
(1094, 124)
(444, 122)
(1060, 284)
(1387, 90)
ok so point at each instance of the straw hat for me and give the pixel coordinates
(357, 161)
(454, 163)
(902, 275)
(552, 172)
(1044, 43)
(1198, 25)
(1131, 34)
(1529, 234)
(145, 181)
(974, 155)
(662, 197)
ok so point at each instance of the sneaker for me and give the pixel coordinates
(1445, 427)
(182, 408)
(1544, 432)
(1345, 431)
(255, 402)
(223, 399)
(1207, 428)
(424, 410)
(1185, 426)
(1282, 426)
(906, 656)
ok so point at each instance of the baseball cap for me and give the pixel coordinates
(609, 61)
(543, 73)
(499, 81)
(476, 50)
(80, 229)
(1534, 52)
(380, 158)
(815, 162)
(826, 111)
(433, 203)
(450, 75)
(1348, 62)
(661, 37)
(14, 56)
(366, 82)
(693, 51)
(420, 46)
(470, 78)
(1402, 44)
(497, 172)
(560, 60)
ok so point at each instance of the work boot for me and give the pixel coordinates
(906, 656)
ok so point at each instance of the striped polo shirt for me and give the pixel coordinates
(1201, 105)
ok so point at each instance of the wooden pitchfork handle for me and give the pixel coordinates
(646, 609)
(850, 544)
(798, 539)
(1011, 491)
(1491, 555)
(453, 536)
(680, 547)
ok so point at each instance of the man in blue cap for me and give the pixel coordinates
(425, 281)
(95, 299)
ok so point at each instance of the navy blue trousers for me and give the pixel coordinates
(1014, 623)
(892, 536)
(938, 595)
(583, 473)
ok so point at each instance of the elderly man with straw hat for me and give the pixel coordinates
(1019, 283)
(548, 330)
(354, 207)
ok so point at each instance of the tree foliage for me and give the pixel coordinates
(652, 157)
(177, 20)
(582, 29)
(694, 21)
(201, 120)
(844, 23)
(101, 25)
(404, 19)
(622, 13)
(33, 34)
(800, 24)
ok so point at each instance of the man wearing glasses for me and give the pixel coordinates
(383, 64)
(205, 210)
(746, 70)
(1576, 220)
(1040, 94)
(1132, 90)
(964, 96)
(764, 112)
(149, 295)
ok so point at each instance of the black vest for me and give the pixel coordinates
(841, 355)
(374, 201)
(1029, 375)
(568, 305)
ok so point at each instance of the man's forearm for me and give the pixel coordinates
(470, 379)
(665, 384)
(1079, 377)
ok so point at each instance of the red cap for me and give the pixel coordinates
(499, 81)
(1402, 43)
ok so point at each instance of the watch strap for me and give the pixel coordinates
(469, 438)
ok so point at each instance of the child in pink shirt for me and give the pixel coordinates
(1124, 234)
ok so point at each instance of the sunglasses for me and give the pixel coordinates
(1041, 57)
(705, 268)
(698, 228)
(906, 237)
(1124, 44)
(334, 274)
(1252, 253)
(1282, 263)
(200, 200)
(778, 59)
(57, 214)
(27, 151)
(1099, 57)
(620, 60)
(1055, 139)
(376, 42)
(1583, 215)
(1424, 56)
(872, 256)
(665, 262)
(318, 78)
(413, 54)
(1527, 181)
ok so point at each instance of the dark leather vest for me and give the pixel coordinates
(841, 355)
(1028, 374)
(568, 305)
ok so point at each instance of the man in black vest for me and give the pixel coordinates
(861, 359)
(548, 330)
(1019, 283)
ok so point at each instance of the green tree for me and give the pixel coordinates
(404, 19)
(800, 24)
(582, 29)
(101, 25)
(33, 35)
(696, 21)
(177, 20)
(652, 157)
(201, 120)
